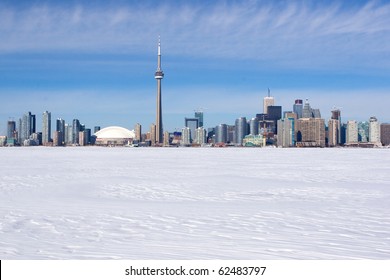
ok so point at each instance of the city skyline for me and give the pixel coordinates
(221, 56)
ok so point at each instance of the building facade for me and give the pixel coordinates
(311, 132)
(352, 132)
(46, 128)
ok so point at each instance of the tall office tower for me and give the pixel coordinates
(333, 132)
(221, 134)
(192, 124)
(11, 129)
(267, 101)
(374, 131)
(352, 132)
(274, 114)
(316, 113)
(336, 115)
(96, 129)
(60, 125)
(307, 111)
(46, 127)
(385, 134)
(199, 116)
(311, 132)
(298, 108)
(240, 130)
(200, 137)
(27, 126)
(363, 131)
(186, 136)
(75, 131)
(138, 132)
(152, 132)
(159, 75)
(254, 126)
(286, 133)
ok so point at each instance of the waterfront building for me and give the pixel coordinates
(254, 141)
(138, 132)
(333, 132)
(159, 75)
(336, 115)
(286, 132)
(58, 138)
(11, 130)
(186, 136)
(167, 138)
(254, 126)
(221, 134)
(76, 128)
(27, 126)
(240, 130)
(46, 128)
(352, 132)
(311, 132)
(152, 134)
(385, 134)
(200, 136)
(374, 131)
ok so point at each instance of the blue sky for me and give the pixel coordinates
(95, 60)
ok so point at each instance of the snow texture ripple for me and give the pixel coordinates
(194, 203)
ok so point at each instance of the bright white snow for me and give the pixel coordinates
(194, 203)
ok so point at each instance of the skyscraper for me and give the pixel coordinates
(221, 134)
(352, 132)
(138, 132)
(186, 136)
(286, 132)
(11, 128)
(374, 131)
(199, 115)
(267, 101)
(46, 127)
(298, 107)
(385, 134)
(75, 131)
(240, 130)
(159, 75)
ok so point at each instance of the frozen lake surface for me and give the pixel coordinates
(194, 203)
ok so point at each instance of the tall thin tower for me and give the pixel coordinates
(159, 75)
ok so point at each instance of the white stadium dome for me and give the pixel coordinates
(114, 135)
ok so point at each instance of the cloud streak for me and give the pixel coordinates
(289, 33)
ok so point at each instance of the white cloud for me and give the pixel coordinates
(293, 33)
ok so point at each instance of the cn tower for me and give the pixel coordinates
(159, 75)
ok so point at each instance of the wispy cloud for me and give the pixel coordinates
(288, 33)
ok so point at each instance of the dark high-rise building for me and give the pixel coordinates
(241, 129)
(385, 134)
(159, 75)
(274, 113)
(75, 131)
(199, 115)
(11, 128)
(192, 124)
(96, 129)
(298, 108)
(60, 126)
(336, 115)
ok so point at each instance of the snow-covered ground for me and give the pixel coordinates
(194, 203)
